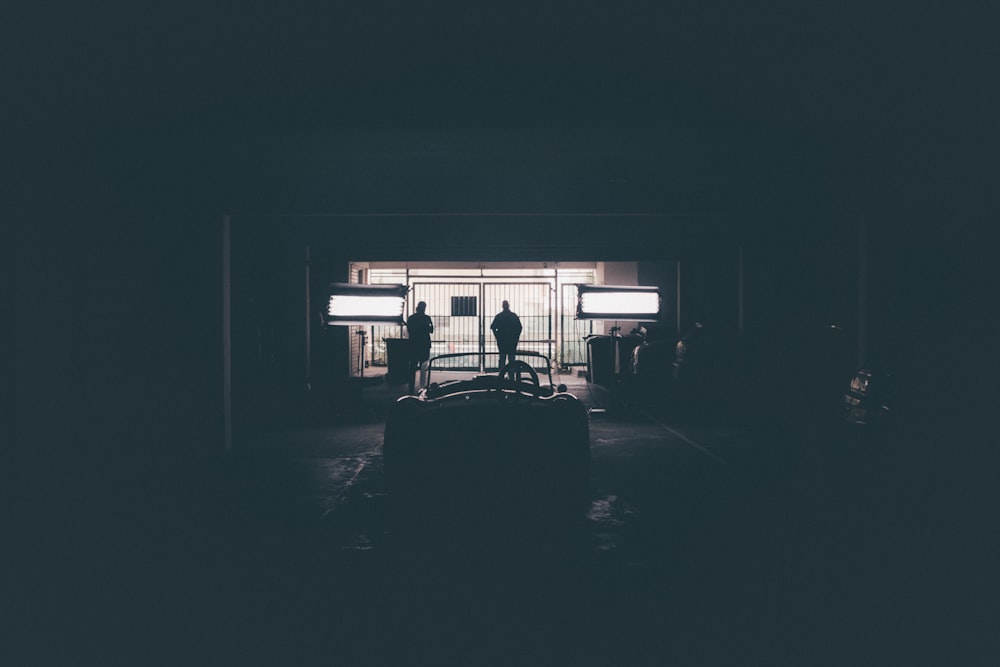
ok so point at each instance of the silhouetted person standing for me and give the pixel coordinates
(419, 329)
(506, 328)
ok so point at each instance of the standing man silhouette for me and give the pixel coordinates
(506, 328)
(419, 329)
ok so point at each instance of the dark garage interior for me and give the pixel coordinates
(195, 474)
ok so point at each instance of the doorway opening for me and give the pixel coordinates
(463, 301)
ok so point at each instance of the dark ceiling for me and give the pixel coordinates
(789, 63)
(836, 68)
(718, 108)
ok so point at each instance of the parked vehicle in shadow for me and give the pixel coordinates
(487, 455)
(868, 401)
(651, 369)
(703, 369)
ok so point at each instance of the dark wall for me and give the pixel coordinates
(117, 364)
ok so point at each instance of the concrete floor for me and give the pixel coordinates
(707, 542)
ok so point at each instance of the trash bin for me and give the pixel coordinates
(626, 346)
(599, 369)
(397, 359)
(599, 353)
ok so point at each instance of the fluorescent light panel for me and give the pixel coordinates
(345, 305)
(614, 302)
(603, 303)
(350, 304)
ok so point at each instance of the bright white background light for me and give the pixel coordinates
(613, 303)
(365, 306)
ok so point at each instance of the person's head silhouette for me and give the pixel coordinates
(422, 306)
(505, 305)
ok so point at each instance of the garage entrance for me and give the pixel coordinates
(463, 302)
(462, 313)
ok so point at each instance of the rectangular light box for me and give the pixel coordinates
(617, 302)
(350, 304)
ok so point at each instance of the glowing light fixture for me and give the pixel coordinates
(365, 304)
(615, 302)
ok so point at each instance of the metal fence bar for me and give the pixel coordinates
(482, 329)
(533, 304)
(456, 321)
(572, 346)
(379, 333)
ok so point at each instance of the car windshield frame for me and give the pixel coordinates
(518, 354)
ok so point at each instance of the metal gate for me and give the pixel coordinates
(572, 332)
(456, 310)
(462, 313)
(533, 304)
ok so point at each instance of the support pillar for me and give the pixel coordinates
(739, 309)
(308, 324)
(862, 292)
(227, 346)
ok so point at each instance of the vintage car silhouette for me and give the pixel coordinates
(488, 450)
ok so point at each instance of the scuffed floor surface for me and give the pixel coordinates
(703, 544)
